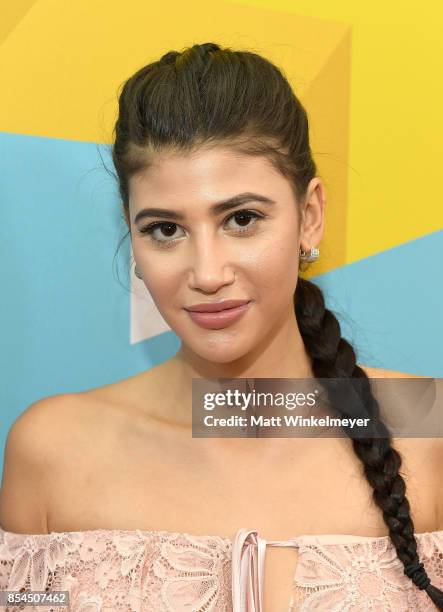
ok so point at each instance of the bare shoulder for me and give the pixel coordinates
(53, 441)
(34, 445)
(383, 373)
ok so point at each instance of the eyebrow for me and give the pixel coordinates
(215, 209)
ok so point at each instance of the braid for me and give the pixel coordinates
(333, 357)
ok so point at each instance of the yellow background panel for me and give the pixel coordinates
(11, 13)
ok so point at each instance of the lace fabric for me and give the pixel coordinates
(161, 571)
(350, 573)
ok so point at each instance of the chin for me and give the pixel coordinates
(220, 350)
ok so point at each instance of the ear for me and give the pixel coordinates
(312, 224)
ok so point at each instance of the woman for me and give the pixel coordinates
(106, 494)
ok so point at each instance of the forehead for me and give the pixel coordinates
(206, 173)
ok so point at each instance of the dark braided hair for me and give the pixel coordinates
(208, 95)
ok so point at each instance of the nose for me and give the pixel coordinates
(210, 268)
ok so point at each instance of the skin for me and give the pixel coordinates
(139, 468)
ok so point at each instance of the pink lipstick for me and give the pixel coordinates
(217, 315)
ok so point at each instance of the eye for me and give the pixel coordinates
(167, 230)
(242, 216)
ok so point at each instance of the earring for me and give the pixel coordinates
(313, 254)
(136, 272)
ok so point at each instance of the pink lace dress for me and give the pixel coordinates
(132, 571)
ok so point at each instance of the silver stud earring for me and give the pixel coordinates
(312, 256)
(137, 273)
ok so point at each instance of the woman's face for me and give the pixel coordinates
(195, 254)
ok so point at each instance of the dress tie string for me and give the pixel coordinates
(248, 566)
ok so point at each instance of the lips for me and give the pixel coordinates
(216, 306)
(218, 319)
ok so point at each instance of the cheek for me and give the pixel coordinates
(162, 286)
(275, 268)
(157, 276)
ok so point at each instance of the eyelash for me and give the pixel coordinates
(149, 229)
